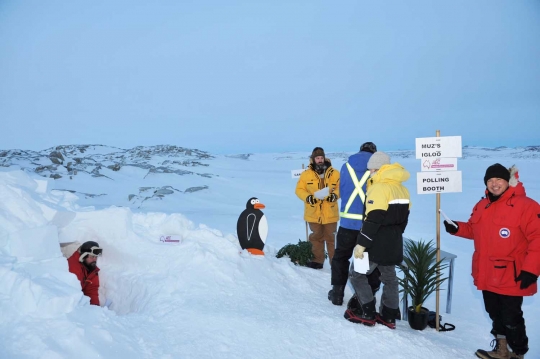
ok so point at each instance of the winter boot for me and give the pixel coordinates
(388, 317)
(353, 303)
(336, 294)
(500, 350)
(364, 314)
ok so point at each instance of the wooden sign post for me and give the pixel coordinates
(438, 175)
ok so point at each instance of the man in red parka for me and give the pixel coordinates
(505, 227)
(83, 263)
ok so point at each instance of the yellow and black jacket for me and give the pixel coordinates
(323, 211)
(387, 213)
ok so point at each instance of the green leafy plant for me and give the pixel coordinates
(420, 271)
(300, 253)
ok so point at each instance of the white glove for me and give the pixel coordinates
(359, 251)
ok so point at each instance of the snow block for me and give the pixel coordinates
(34, 244)
(62, 218)
(42, 185)
(18, 179)
(43, 290)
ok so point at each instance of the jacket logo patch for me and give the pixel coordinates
(370, 201)
(504, 232)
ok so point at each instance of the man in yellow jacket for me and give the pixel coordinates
(322, 215)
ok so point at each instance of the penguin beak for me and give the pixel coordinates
(259, 206)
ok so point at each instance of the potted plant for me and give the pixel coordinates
(421, 277)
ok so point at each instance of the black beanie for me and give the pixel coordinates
(368, 147)
(497, 171)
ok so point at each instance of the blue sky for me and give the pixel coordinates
(261, 76)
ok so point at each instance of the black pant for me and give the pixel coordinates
(505, 312)
(345, 242)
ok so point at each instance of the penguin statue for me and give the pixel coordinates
(252, 227)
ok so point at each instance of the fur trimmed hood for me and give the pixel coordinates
(514, 176)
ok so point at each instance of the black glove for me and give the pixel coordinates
(526, 279)
(311, 200)
(332, 197)
(450, 228)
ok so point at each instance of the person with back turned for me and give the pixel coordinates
(387, 216)
(352, 189)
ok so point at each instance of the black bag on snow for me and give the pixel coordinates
(446, 327)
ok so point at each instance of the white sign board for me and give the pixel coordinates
(438, 182)
(296, 173)
(436, 147)
(439, 164)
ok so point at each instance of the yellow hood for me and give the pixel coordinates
(391, 172)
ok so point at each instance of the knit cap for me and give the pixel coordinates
(377, 160)
(497, 171)
(317, 151)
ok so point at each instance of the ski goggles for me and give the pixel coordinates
(94, 251)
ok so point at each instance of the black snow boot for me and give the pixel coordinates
(364, 314)
(353, 303)
(336, 294)
(388, 317)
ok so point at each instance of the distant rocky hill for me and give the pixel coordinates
(74, 162)
(526, 152)
(532, 152)
(70, 160)
(147, 175)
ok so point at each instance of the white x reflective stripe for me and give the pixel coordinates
(357, 192)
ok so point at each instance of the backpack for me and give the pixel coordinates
(446, 327)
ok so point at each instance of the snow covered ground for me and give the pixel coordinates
(205, 297)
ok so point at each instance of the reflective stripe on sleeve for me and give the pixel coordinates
(399, 201)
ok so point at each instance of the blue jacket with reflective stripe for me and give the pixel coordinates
(358, 161)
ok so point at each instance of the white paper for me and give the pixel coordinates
(447, 219)
(362, 265)
(323, 193)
